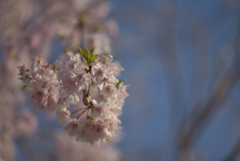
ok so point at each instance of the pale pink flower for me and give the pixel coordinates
(121, 94)
(63, 116)
(42, 84)
(108, 90)
(73, 77)
(71, 128)
(27, 122)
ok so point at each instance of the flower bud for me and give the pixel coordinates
(86, 100)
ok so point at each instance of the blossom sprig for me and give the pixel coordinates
(41, 83)
(85, 81)
(87, 55)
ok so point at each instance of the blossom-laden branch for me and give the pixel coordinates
(87, 78)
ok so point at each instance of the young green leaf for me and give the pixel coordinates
(88, 54)
(118, 83)
(92, 50)
(65, 50)
(81, 50)
(24, 87)
(85, 55)
(94, 57)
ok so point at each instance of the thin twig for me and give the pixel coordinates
(233, 154)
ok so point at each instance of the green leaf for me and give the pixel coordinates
(65, 50)
(118, 84)
(94, 57)
(81, 50)
(82, 19)
(93, 118)
(92, 50)
(12, 55)
(24, 87)
(54, 68)
(97, 27)
(88, 54)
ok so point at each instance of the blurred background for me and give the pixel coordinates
(181, 60)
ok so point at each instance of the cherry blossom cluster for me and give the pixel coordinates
(83, 80)
(27, 30)
(41, 83)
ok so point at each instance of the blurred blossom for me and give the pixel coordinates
(27, 122)
(100, 42)
(180, 57)
(15, 14)
(6, 150)
(28, 30)
(68, 149)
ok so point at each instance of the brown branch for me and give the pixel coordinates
(188, 136)
(199, 121)
(233, 154)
